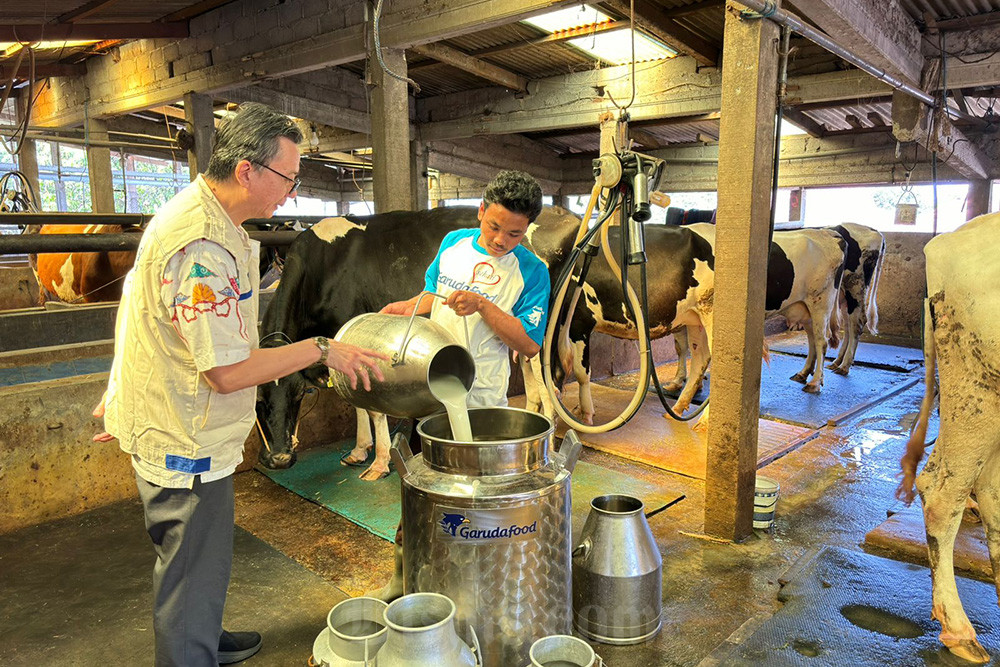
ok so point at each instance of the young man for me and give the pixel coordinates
(500, 286)
(181, 394)
(488, 277)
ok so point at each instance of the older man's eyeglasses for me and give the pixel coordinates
(296, 182)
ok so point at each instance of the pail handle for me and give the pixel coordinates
(569, 450)
(400, 453)
(398, 357)
(476, 649)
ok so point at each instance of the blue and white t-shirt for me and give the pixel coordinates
(517, 283)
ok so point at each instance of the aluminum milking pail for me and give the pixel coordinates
(422, 633)
(355, 631)
(487, 523)
(617, 574)
(418, 348)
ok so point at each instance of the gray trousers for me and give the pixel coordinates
(192, 533)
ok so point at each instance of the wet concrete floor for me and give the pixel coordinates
(295, 559)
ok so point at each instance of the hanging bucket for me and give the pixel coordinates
(906, 212)
(765, 501)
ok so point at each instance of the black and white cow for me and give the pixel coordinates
(338, 269)
(962, 336)
(681, 282)
(804, 277)
(862, 269)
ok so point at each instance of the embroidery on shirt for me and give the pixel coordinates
(203, 299)
(485, 274)
(199, 271)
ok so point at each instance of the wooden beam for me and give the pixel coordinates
(410, 23)
(694, 7)
(83, 11)
(302, 107)
(476, 66)
(645, 139)
(746, 151)
(561, 36)
(391, 135)
(969, 22)
(43, 71)
(651, 18)
(880, 31)
(805, 122)
(194, 10)
(875, 118)
(84, 31)
(959, 96)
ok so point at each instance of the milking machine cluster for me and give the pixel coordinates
(626, 179)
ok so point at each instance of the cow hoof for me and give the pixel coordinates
(811, 388)
(353, 459)
(971, 650)
(374, 474)
(672, 388)
(277, 461)
(842, 370)
(799, 377)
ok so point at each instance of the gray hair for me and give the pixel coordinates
(517, 192)
(252, 134)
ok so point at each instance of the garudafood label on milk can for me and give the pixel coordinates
(478, 526)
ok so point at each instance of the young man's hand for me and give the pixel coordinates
(465, 303)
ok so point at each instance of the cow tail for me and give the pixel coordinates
(916, 445)
(871, 302)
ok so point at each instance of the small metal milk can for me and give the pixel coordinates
(355, 631)
(422, 632)
(418, 348)
(617, 574)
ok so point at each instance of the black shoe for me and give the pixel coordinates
(237, 646)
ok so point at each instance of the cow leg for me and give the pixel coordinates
(699, 362)
(532, 388)
(848, 336)
(581, 370)
(535, 366)
(681, 347)
(819, 325)
(857, 326)
(988, 496)
(944, 485)
(803, 375)
(362, 443)
(380, 466)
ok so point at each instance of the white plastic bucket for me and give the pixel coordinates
(765, 500)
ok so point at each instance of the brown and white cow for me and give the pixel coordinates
(962, 337)
(81, 277)
(862, 269)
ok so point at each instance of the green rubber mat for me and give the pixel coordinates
(319, 476)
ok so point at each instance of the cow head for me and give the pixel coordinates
(277, 413)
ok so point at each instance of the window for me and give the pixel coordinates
(876, 207)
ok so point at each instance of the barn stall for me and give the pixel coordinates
(897, 94)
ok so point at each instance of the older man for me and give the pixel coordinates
(181, 394)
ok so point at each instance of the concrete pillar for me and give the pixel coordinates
(198, 113)
(977, 202)
(746, 149)
(391, 135)
(102, 192)
(418, 175)
(27, 161)
(796, 204)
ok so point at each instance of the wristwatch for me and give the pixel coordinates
(324, 348)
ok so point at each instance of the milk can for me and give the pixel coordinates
(422, 632)
(355, 631)
(617, 574)
(419, 349)
(487, 523)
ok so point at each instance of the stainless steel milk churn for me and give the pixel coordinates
(418, 349)
(617, 574)
(487, 523)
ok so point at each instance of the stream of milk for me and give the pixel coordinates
(452, 393)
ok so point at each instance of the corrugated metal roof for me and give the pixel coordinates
(948, 9)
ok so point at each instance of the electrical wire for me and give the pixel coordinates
(632, 35)
(378, 51)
